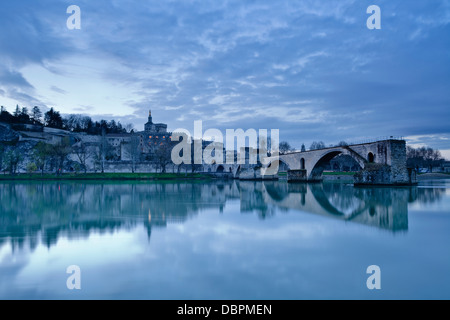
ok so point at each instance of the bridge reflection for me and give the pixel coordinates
(386, 208)
(48, 210)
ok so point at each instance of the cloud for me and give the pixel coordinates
(311, 69)
(58, 90)
(13, 78)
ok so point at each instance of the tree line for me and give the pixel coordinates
(53, 119)
(285, 147)
(45, 157)
(423, 157)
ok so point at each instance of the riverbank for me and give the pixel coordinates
(428, 176)
(106, 176)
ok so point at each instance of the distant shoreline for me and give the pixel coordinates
(104, 176)
(328, 176)
(426, 176)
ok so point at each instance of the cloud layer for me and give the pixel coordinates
(311, 69)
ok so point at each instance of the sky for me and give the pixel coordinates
(311, 69)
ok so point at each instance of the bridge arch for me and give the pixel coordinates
(236, 171)
(283, 166)
(371, 157)
(220, 169)
(316, 169)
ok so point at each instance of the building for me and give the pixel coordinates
(142, 145)
(154, 136)
(157, 128)
(142, 151)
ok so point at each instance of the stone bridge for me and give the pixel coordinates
(381, 162)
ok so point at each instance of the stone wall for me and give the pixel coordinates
(140, 167)
(297, 175)
(393, 172)
(374, 174)
(397, 155)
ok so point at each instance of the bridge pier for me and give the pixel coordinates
(297, 175)
(385, 175)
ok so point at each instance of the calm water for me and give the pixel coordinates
(224, 240)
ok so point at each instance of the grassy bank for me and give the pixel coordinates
(106, 176)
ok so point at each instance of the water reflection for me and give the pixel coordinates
(48, 210)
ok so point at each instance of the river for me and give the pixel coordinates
(223, 240)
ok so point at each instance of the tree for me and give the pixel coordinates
(24, 116)
(41, 154)
(423, 157)
(71, 122)
(134, 151)
(316, 145)
(53, 119)
(303, 149)
(284, 147)
(31, 167)
(16, 113)
(83, 155)
(5, 116)
(36, 115)
(12, 160)
(103, 152)
(59, 152)
(2, 150)
(342, 144)
(112, 126)
(163, 156)
(129, 127)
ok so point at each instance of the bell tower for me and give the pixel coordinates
(149, 125)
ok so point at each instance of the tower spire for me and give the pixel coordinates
(150, 117)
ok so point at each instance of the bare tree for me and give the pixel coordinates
(134, 151)
(316, 145)
(129, 127)
(284, 147)
(83, 154)
(423, 157)
(103, 152)
(59, 152)
(163, 156)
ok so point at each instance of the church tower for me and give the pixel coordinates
(149, 125)
(150, 120)
(155, 128)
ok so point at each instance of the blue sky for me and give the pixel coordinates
(309, 68)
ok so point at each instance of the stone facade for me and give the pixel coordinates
(154, 136)
(392, 172)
